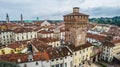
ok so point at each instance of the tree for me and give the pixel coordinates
(8, 64)
(105, 20)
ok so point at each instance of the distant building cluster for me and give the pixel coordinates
(72, 43)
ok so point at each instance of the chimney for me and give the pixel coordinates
(76, 10)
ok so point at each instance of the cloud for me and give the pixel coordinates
(103, 11)
(55, 9)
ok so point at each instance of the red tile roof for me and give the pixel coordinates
(22, 30)
(96, 37)
(45, 32)
(115, 41)
(73, 48)
(24, 57)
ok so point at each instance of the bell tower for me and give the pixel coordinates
(7, 18)
(21, 17)
(76, 27)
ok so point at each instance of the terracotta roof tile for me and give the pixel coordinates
(22, 30)
(96, 37)
(73, 48)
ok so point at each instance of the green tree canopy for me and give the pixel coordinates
(8, 64)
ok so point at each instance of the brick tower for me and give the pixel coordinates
(76, 27)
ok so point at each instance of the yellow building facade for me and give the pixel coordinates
(7, 50)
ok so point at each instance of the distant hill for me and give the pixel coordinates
(105, 20)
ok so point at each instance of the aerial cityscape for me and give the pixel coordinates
(65, 34)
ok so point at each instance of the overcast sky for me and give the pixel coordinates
(55, 9)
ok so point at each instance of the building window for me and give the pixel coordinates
(35, 36)
(7, 36)
(60, 58)
(27, 36)
(17, 38)
(52, 65)
(10, 35)
(61, 65)
(65, 64)
(65, 57)
(75, 53)
(31, 36)
(56, 59)
(22, 37)
(3, 36)
(87, 49)
(12, 51)
(3, 52)
(36, 63)
(83, 58)
(57, 65)
(83, 50)
(52, 60)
